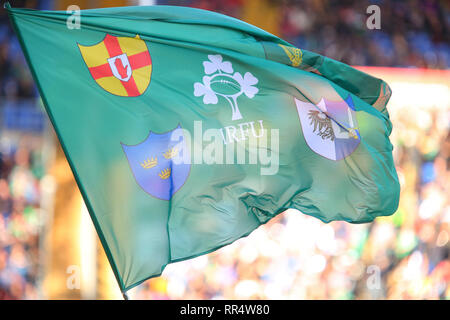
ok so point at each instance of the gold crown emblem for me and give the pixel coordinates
(164, 174)
(294, 54)
(149, 163)
(172, 152)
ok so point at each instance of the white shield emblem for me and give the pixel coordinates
(120, 67)
(330, 128)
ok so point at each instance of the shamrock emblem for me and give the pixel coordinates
(220, 81)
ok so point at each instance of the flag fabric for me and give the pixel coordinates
(143, 99)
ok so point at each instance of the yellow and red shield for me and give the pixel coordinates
(120, 65)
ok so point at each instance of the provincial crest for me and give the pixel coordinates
(120, 65)
(330, 128)
(153, 163)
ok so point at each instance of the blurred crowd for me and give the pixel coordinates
(21, 168)
(413, 33)
(294, 256)
(20, 173)
(404, 256)
(15, 78)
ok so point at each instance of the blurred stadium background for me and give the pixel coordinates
(47, 238)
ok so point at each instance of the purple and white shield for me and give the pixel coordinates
(157, 163)
(330, 128)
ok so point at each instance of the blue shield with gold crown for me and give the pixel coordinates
(161, 163)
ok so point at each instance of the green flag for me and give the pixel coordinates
(186, 129)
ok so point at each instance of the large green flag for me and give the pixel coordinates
(186, 129)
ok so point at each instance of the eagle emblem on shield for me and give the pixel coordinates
(161, 163)
(120, 65)
(330, 128)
